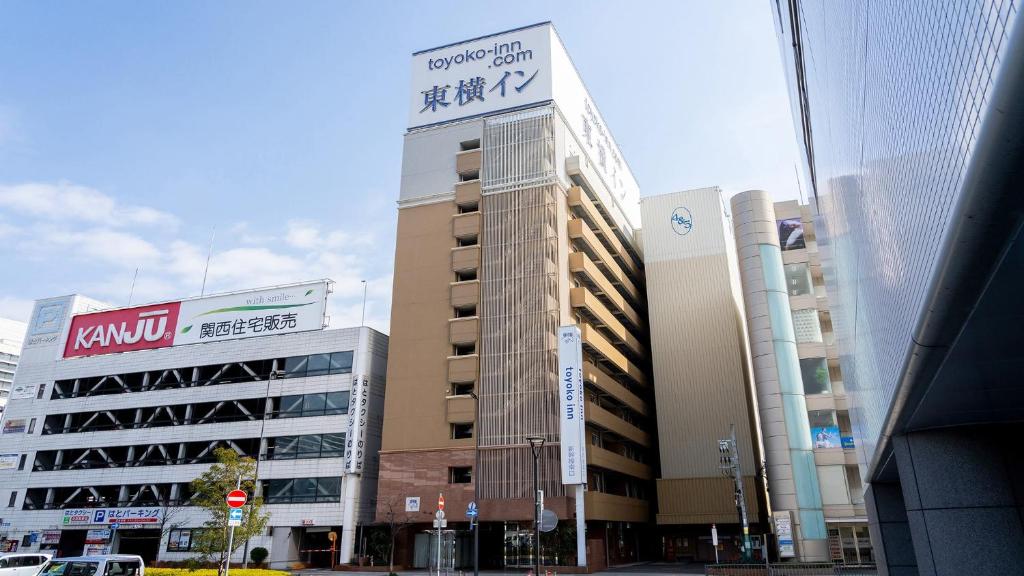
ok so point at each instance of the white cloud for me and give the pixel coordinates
(97, 257)
(64, 201)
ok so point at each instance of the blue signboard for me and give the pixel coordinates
(472, 510)
(848, 442)
(235, 514)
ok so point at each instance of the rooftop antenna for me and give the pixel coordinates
(131, 292)
(362, 321)
(799, 188)
(208, 254)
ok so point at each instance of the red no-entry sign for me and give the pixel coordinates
(440, 501)
(236, 498)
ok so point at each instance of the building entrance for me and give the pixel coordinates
(145, 543)
(72, 543)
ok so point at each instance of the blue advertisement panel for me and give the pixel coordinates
(848, 442)
(825, 437)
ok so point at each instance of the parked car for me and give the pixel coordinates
(22, 563)
(102, 565)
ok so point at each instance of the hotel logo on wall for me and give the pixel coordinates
(282, 310)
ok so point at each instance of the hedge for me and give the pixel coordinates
(213, 572)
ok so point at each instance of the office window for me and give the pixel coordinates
(14, 496)
(814, 372)
(469, 145)
(323, 404)
(824, 429)
(467, 176)
(465, 311)
(462, 388)
(798, 279)
(31, 425)
(293, 490)
(40, 391)
(463, 349)
(465, 275)
(336, 403)
(462, 430)
(341, 362)
(318, 364)
(21, 461)
(806, 325)
(182, 539)
(460, 475)
(467, 241)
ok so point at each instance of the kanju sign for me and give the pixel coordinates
(570, 393)
(255, 313)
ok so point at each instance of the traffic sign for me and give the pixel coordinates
(235, 517)
(236, 498)
(439, 514)
(114, 526)
(442, 523)
(440, 501)
(472, 510)
(548, 521)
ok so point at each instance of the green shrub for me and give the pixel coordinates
(213, 572)
(258, 555)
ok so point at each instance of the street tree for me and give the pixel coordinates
(209, 491)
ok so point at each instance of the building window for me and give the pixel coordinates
(463, 349)
(806, 325)
(462, 430)
(21, 461)
(468, 176)
(296, 490)
(307, 446)
(40, 391)
(31, 425)
(467, 241)
(182, 539)
(469, 208)
(791, 234)
(317, 364)
(469, 145)
(14, 496)
(324, 404)
(845, 429)
(824, 430)
(462, 388)
(855, 485)
(465, 275)
(460, 475)
(814, 372)
(798, 279)
(465, 311)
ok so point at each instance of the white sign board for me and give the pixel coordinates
(23, 391)
(412, 504)
(498, 72)
(106, 516)
(784, 533)
(572, 429)
(275, 311)
(355, 437)
(9, 461)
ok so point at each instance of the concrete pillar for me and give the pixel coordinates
(890, 532)
(964, 493)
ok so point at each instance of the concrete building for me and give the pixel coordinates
(802, 404)
(12, 333)
(124, 407)
(703, 375)
(516, 216)
(911, 123)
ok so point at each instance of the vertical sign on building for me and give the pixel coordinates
(355, 438)
(570, 388)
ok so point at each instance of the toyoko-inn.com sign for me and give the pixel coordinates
(476, 77)
(282, 310)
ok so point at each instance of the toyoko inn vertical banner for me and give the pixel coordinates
(571, 418)
(294, 308)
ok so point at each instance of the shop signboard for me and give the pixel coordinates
(282, 310)
(9, 461)
(101, 536)
(791, 234)
(49, 537)
(106, 516)
(15, 426)
(848, 442)
(825, 436)
(783, 521)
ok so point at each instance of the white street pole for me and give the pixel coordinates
(231, 532)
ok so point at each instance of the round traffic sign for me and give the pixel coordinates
(236, 498)
(440, 501)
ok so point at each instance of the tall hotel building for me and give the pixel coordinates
(12, 333)
(517, 215)
(120, 409)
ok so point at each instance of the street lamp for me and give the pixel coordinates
(536, 443)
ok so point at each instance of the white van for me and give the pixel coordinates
(22, 563)
(103, 565)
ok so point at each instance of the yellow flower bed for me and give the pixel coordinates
(213, 572)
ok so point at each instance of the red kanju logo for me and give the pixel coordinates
(139, 328)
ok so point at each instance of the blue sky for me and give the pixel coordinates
(129, 130)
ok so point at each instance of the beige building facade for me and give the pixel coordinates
(802, 404)
(702, 368)
(511, 224)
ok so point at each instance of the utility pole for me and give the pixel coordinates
(729, 464)
(536, 445)
(231, 533)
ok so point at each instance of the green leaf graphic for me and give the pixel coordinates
(186, 329)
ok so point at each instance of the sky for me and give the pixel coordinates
(131, 133)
